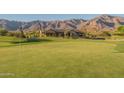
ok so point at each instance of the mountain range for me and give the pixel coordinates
(99, 23)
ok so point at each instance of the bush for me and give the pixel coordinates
(91, 34)
(106, 33)
(3, 32)
(97, 34)
(120, 29)
(14, 33)
(117, 33)
(32, 34)
(33, 39)
(10, 34)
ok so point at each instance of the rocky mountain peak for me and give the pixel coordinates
(98, 23)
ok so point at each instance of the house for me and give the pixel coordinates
(50, 32)
(61, 33)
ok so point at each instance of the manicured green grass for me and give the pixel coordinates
(57, 57)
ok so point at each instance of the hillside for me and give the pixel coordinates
(99, 23)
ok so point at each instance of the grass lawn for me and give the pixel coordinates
(57, 57)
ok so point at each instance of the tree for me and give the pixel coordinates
(40, 30)
(66, 31)
(22, 33)
(120, 28)
(91, 34)
(3, 32)
(120, 31)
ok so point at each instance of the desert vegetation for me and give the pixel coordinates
(86, 52)
(65, 34)
(61, 55)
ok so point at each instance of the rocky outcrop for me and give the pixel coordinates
(98, 23)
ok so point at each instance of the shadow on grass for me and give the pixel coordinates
(30, 41)
(24, 42)
(119, 48)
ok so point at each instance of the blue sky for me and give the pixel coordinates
(48, 17)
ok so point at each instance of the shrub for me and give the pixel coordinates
(3, 32)
(32, 34)
(33, 39)
(91, 34)
(10, 34)
(97, 34)
(14, 33)
(120, 29)
(106, 33)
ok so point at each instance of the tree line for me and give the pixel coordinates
(93, 34)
